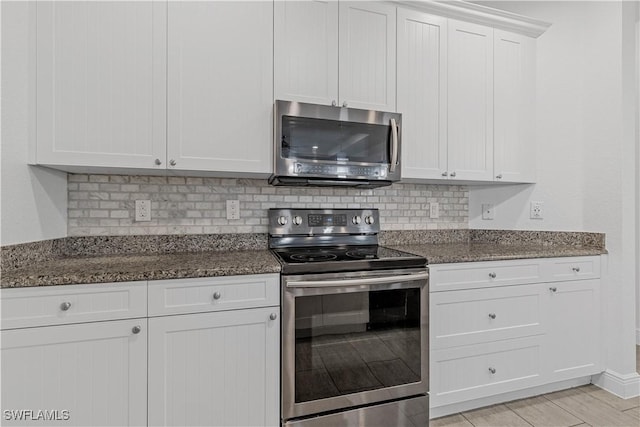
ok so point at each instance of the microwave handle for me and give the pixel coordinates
(394, 146)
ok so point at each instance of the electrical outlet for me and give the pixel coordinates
(537, 210)
(488, 211)
(434, 210)
(143, 210)
(233, 209)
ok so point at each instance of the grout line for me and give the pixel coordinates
(566, 410)
(517, 414)
(468, 420)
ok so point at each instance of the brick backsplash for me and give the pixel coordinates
(104, 204)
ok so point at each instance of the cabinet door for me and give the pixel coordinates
(306, 51)
(514, 121)
(368, 55)
(573, 348)
(422, 93)
(470, 130)
(215, 369)
(220, 86)
(95, 371)
(101, 80)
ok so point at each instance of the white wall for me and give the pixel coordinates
(586, 149)
(33, 199)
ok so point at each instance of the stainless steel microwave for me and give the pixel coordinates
(323, 145)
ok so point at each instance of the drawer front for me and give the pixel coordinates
(466, 373)
(57, 305)
(213, 294)
(572, 268)
(446, 277)
(483, 315)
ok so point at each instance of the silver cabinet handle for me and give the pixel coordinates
(576, 269)
(492, 275)
(499, 176)
(492, 315)
(492, 370)
(65, 306)
(445, 173)
(172, 162)
(334, 103)
(452, 175)
(553, 289)
(344, 104)
(136, 329)
(217, 295)
(158, 162)
(273, 316)
(394, 146)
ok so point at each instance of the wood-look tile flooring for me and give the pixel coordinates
(581, 406)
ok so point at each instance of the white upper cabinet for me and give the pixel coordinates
(340, 53)
(422, 93)
(220, 86)
(514, 101)
(470, 101)
(100, 80)
(306, 54)
(368, 55)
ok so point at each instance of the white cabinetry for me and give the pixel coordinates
(514, 112)
(101, 84)
(470, 101)
(96, 371)
(216, 368)
(220, 86)
(336, 52)
(422, 93)
(511, 325)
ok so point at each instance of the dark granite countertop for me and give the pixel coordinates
(442, 253)
(132, 267)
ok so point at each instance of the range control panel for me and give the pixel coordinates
(323, 221)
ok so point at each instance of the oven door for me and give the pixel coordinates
(353, 339)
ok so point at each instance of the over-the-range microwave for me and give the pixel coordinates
(324, 145)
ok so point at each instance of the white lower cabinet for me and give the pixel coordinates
(494, 333)
(215, 369)
(85, 374)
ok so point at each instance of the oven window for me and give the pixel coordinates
(348, 343)
(333, 140)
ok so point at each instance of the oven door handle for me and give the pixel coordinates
(394, 146)
(357, 282)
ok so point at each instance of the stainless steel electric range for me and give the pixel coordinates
(354, 321)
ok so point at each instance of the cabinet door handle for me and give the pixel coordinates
(136, 329)
(576, 269)
(499, 176)
(492, 275)
(344, 104)
(217, 295)
(65, 306)
(158, 162)
(445, 173)
(553, 289)
(172, 162)
(492, 370)
(492, 315)
(334, 103)
(273, 316)
(453, 174)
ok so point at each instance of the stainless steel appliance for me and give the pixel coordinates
(354, 321)
(323, 145)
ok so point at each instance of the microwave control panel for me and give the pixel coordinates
(340, 171)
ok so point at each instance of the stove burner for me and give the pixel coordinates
(314, 256)
(362, 254)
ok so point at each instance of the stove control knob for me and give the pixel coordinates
(283, 220)
(356, 219)
(297, 220)
(369, 220)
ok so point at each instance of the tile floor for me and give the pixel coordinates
(581, 406)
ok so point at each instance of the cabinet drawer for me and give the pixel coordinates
(57, 305)
(446, 277)
(483, 315)
(467, 373)
(213, 294)
(572, 268)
